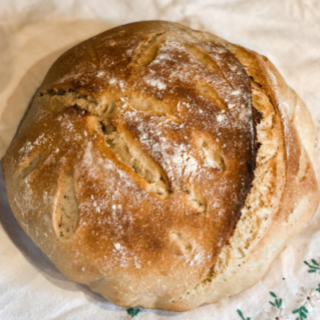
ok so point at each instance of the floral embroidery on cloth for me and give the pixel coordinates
(277, 314)
(306, 298)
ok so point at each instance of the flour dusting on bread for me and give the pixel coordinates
(157, 163)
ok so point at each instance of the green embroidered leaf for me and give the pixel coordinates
(312, 268)
(132, 312)
(306, 262)
(277, 302)
(318, 288)
(302, 313)
(136, 312)
(241, 315)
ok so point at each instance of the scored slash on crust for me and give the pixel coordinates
(129, 151)
(66, 210)
(29, 164)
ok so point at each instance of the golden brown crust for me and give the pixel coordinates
(136, 158)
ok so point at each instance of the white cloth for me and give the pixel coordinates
(33, 33)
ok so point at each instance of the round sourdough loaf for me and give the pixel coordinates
(162, 166)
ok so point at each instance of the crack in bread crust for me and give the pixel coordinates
(257, 212)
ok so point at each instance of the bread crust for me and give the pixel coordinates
(172, 251)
